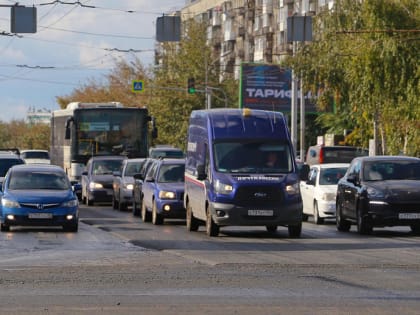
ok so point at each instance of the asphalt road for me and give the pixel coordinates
(117, 264)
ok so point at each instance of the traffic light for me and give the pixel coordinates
(191, 86)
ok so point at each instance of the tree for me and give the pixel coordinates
(364, 65)
(190, 58)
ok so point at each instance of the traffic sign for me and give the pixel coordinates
(137, 86)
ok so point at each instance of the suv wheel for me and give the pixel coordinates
(363, 226)
(342, 224)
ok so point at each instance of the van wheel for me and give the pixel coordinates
(415, 228)
(271, 228)
(295, 230)
(145, 215)
(212, 229)
(342, 224)
(192, 223)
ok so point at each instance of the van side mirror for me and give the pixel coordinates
(304, 172)
(201, 172)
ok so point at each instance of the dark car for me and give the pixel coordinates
(38, 195)
(7, 160)
(379, 191)
(163, 191)
(138, 184)
(98, 178)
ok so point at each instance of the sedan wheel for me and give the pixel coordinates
(317, 218)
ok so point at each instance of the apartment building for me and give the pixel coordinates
(249, 30)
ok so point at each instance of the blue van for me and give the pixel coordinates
(241, 171)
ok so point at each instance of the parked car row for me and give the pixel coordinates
(376, 191)
(152, 186)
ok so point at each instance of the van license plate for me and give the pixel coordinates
(40, 215)
(409, 216)
(261, 213)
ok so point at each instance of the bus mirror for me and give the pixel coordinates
(154, 133)
(68, 131)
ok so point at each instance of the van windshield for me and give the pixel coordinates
(252, 157)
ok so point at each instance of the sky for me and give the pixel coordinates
(76, 41)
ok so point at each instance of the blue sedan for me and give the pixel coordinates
(38, 195)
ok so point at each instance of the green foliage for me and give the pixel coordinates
(19, 134)
(171, 104)
(365, 68)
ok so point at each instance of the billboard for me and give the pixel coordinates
(268, 87)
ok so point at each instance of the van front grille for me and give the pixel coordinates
(267, 196)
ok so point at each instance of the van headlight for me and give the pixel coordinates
(222, 188)
(293, 189)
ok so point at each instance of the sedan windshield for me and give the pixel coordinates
(253, 157)
(38, 180)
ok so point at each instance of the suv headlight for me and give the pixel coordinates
(222, 188)
(167, 194)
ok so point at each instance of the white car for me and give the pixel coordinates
(35, 156)
(319, 190)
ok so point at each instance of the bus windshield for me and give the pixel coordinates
(110, 131)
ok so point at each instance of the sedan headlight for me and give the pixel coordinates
(167, 194)
(222, 188)
(70, 203)
(293, 189)
(327, 196)
(7, 203)
(93, 185)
